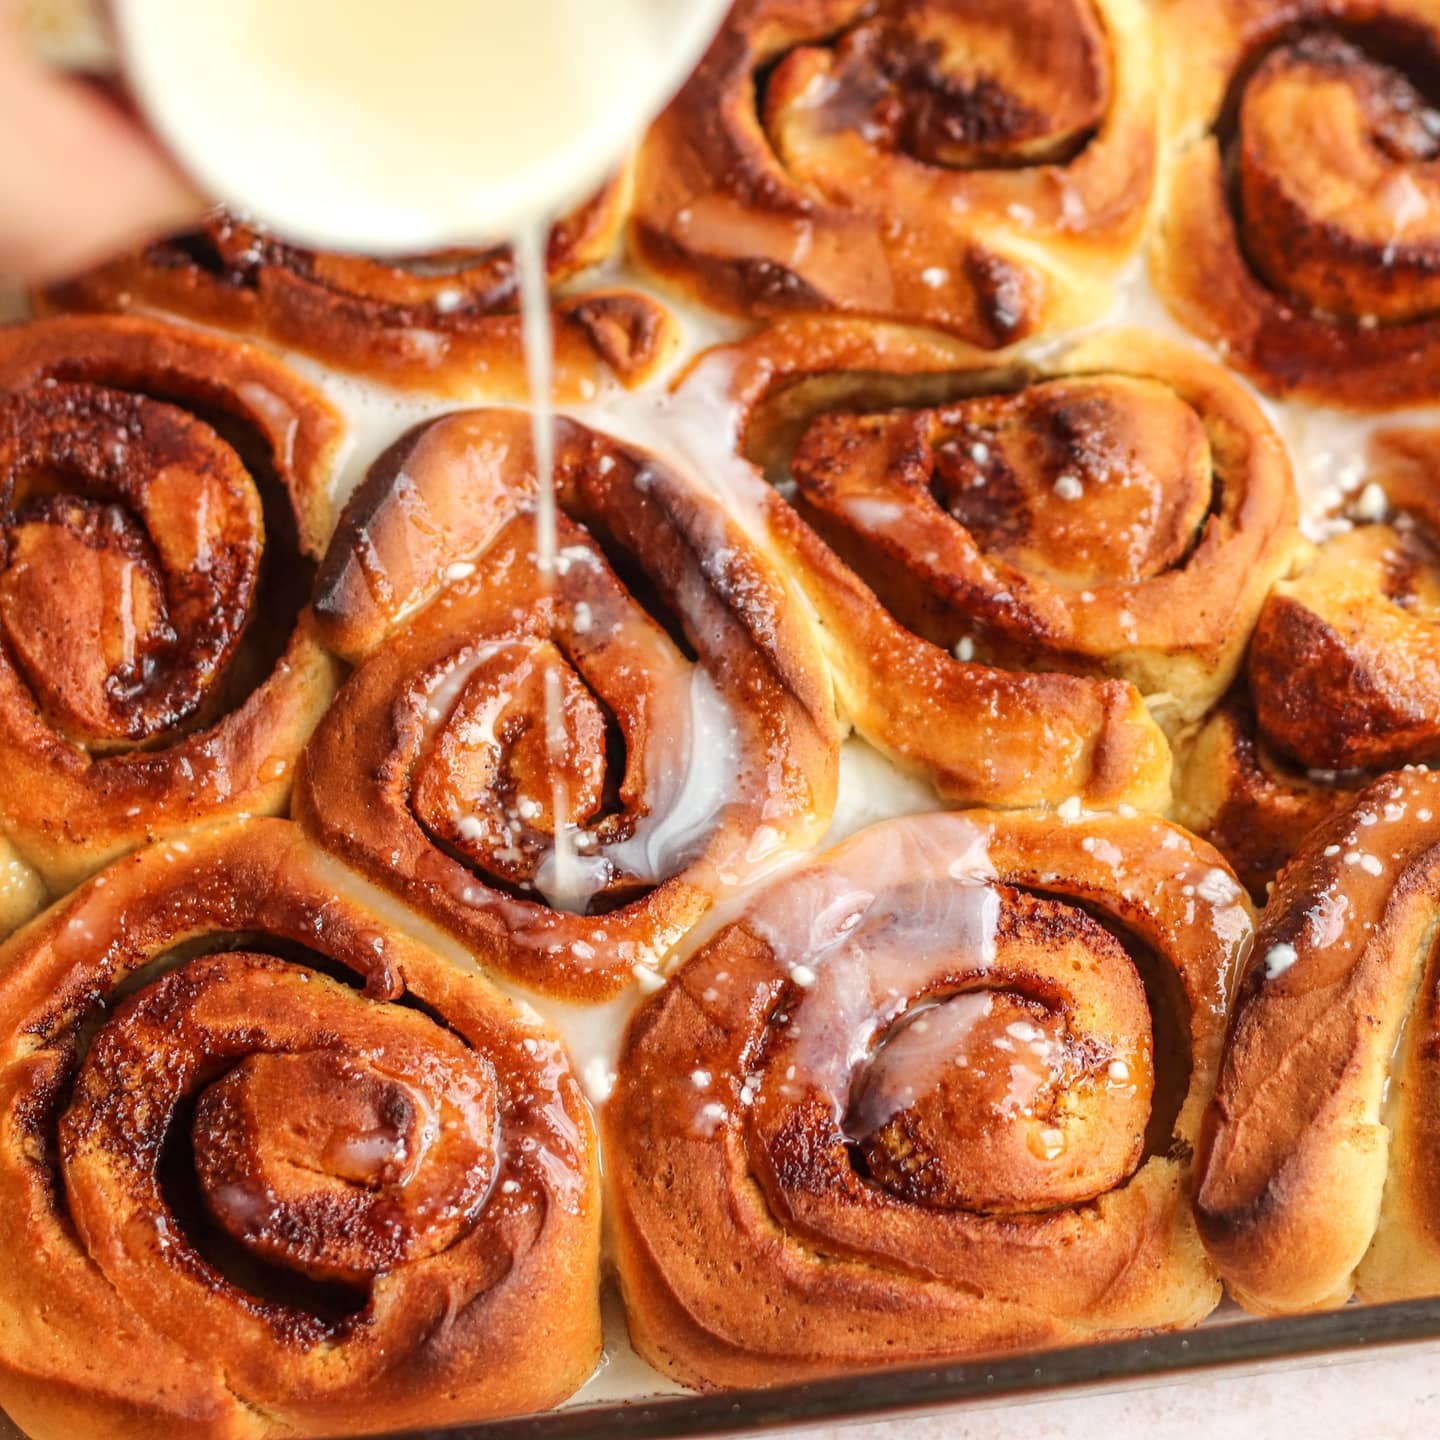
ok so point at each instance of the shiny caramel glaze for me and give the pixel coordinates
(984, 169)
(1301, 221)
(1343, 675)
(699, 735)
(448, 323)
(270, 1167)
(933, 1095)
(163, 497)
(1083, 534)
(1317, 1174)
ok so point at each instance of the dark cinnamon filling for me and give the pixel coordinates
(143, 523)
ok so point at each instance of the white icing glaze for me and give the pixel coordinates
(693, 759)
(859, 931)
(566, 879)
(941, 1036)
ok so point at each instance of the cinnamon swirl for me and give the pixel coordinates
(1005, 561)
(268, 1166)
(933, 1095)
(984, 169)
(448, 323)
(163, 495)
(1301, 222)
(1316, 1173)
(561, 769)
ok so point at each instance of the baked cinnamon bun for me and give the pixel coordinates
(269, 1166)
(163, 498)
(448, 323)
(1007, 563)
(933, 1095)
(1343, 678)
(1300, 226)
(562, 763)
(1316, 1174)
(983, 169)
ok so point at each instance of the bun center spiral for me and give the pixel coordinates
(991, 1101)
(339, 1169)
(1094, 480)
(1338, 181)
(956, 84)
(133, 543)
(541, 760)
(330, 1136)
(964, 1047)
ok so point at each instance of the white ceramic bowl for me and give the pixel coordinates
(401, 126)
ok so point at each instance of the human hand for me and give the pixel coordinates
(79, 179)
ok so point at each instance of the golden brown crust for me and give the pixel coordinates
(1313, 268)
(913, 161)
(1342, 677)
(1119, 513)
(1313, 1184)
(447, 323)
(1345, 663)
(699, 735)
(1253, 805)
(933, 1095)
(323, 1100)
(163, 495)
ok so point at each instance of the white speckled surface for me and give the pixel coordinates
(1390, 1397)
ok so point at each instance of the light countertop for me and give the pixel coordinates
(1391, 1397)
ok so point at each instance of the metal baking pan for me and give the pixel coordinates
(1238, 1345)
(1223, 1344)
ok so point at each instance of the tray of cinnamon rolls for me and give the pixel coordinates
(923, 883)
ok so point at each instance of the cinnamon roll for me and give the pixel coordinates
(1343, 673)
(1316, 1169)
(1005, 561)
(163, 495)
(934, 1095)
(1301, 223)
(269, 1166)
(442, 322)
(983, 169)
(562, 769)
